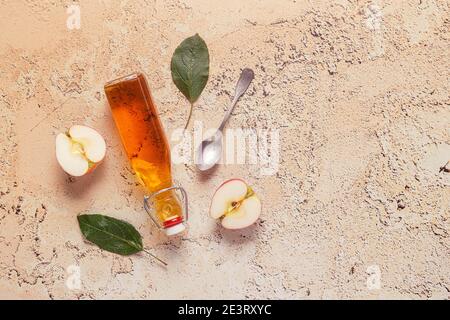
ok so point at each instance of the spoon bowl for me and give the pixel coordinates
(210, 150)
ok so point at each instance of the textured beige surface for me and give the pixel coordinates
(361, 99)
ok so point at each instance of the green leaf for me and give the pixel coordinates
(110, 234)
(190, 67)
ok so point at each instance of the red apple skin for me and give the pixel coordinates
(94, 166)
(226, 181)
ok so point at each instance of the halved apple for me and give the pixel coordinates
(236, 204)
(79, 150)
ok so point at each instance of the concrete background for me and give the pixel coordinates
(358, 89)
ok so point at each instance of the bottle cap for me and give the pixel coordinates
(173, 230)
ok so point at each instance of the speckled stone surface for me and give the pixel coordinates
(359, 91)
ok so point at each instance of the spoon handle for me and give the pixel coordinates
(244, 81)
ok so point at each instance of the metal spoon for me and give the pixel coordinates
(210, 150)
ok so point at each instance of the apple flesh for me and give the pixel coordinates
(79, 150)
(236, 204)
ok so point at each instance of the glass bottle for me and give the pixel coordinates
(146, 146)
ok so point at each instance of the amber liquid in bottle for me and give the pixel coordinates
(145, 143)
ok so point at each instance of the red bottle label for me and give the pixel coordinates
(172, 222)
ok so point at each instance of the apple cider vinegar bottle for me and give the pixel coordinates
(148, 151)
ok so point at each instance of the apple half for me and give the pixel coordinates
(80, 150)
(235, 203)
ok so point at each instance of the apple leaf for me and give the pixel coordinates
(190, 68)
(111, 234)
